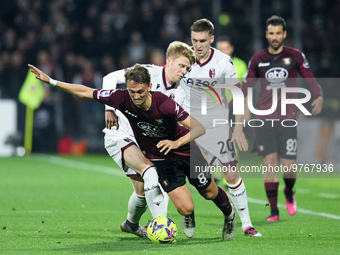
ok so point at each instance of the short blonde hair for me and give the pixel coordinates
(177, 49)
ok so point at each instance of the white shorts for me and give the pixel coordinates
(215, 143)
(216, 146)
(117, 141)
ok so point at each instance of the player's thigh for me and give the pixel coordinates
(216, 146)
(231, 173)
(115, 145)
(182, 200)
(196, 169)
(270, 160)
(210, 192)
(135, 159)
(288, 143)
(170, 175)
(124, 151)
(266, 140)
(138, 185)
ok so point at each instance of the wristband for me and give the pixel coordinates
(53, 82)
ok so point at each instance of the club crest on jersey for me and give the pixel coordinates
(287, 61)
(159, 121)
(158, 86)
(212, 73)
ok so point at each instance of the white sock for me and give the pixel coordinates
(238, 195)
(136, 207)
(166, 199)
(153, 193)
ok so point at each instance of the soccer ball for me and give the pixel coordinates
(162, 229)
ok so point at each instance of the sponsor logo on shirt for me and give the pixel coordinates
(261, 64)
(232, 75)
(151, 130)
(130, 113)
(276, 75)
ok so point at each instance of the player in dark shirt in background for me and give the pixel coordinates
(278, 67)
(155, 120)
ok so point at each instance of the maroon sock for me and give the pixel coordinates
(271, 190)
(288, 190)
(222, 202)
(289, 182)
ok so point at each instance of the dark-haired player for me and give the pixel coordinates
(277, 67)
(155, 118)
(121, 144)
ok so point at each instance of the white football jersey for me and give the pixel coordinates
(203, 83)
(204, 86)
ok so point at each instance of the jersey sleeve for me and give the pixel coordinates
(178, 94)
(111, 80)
(306, 73)
(111, 97)
(230, 74)
(151, 68)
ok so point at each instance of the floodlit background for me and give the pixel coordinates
(51, 204)
(81, 41)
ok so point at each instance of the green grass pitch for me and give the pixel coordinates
(74, 205)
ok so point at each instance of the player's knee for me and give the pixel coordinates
(270, 161)
(185, 210)
(232, 181)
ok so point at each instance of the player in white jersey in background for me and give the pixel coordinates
(120, 143)
(214, 68)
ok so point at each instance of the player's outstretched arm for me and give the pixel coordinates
(74, 89)
(196, 130)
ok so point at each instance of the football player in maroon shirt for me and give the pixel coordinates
(277, 67)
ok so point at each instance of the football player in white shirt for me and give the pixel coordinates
(120, 142)
(213, 68)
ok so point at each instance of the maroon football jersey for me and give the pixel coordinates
(280, 70)
(153, 125)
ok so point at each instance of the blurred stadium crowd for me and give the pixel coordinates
(79, 41)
